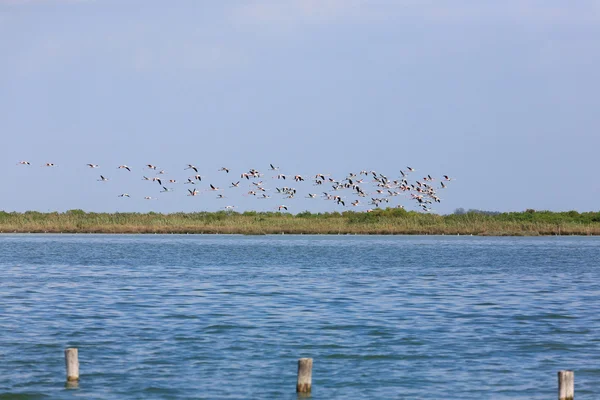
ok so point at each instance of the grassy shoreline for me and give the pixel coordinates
(379, 222)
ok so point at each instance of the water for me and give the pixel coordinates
(227, 317)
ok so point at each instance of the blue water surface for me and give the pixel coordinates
(227, 316)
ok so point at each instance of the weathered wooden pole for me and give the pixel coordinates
(566, 385)
(72, 363)
(304, 375)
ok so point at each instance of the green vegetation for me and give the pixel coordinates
(381, 221)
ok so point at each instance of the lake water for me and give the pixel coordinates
(227, 317)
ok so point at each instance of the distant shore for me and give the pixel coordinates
(380, 222)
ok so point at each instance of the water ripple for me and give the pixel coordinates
(227, 317)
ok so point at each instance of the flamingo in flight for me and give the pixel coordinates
(421, 191)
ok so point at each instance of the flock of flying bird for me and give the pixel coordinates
(365, 188)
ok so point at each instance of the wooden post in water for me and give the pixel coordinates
(72, 363)
(566, 385)
(304, 375)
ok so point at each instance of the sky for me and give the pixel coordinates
(500, 96)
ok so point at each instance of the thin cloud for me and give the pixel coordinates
(271, 11)
(329, 11)
(43, 2)
(520, 11)
(125, 48)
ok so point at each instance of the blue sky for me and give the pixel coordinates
(502, 96)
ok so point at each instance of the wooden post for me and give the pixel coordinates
(304, 375)
(72, 363)
(566, 385)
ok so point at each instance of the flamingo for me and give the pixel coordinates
(23, 163)
(93, 165)
(124, 167)
(339, 200)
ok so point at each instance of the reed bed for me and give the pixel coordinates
(381, 222)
